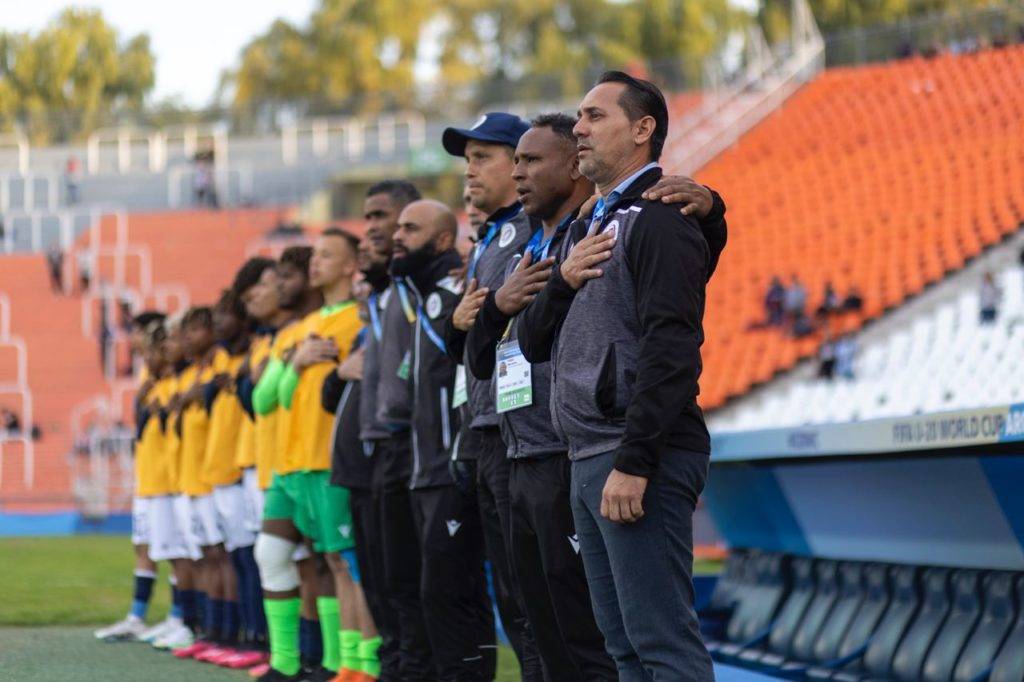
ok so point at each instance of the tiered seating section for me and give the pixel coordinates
(802, 618)
(942, 359)
(887, 177)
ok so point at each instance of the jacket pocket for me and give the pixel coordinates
(615, 379)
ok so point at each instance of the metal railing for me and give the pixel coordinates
(27, 180)
(17, 387)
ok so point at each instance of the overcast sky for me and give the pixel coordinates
(193, 40)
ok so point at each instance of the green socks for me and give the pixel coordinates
(350, 649)
(368, 656)
(330, 622)
(283, 624)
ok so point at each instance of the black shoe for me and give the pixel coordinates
(278, 676)
(318, 674)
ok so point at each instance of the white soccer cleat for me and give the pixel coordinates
(129, 628)
(150, 635)
(177, 636)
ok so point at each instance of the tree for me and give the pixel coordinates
(70, 77)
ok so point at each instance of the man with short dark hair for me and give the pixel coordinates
(385, 413)
(629, 292)
(488, 148)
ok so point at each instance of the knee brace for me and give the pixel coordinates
(274, 558)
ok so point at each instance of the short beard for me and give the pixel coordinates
(592, 169)
(377, 275)
(413, 261)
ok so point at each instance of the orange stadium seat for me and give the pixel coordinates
(886, 177)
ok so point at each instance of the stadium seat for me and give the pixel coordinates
(848, 604)
(976, 659)
(729, 591)
(825, 597)
(872, 604)
(963, 616)
(1009, 663)
(785, 624)
(753, 616)
(881, 649)
(935, 606)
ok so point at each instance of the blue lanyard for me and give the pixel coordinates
(539, 247)
(403, 296)
(492, 232)
(378, 328)
(429, 331)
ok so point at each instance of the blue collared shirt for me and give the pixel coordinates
(605, 203)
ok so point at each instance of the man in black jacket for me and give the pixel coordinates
(385, 408)
(488, 147)
(544, 541)
(621, 320)
(453, 586)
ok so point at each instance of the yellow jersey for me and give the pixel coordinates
(286, 340)
(195, 428)
(309, 437)
(219, 466)
(153, 469)
(245, 453)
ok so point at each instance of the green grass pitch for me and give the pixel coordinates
(56, 590)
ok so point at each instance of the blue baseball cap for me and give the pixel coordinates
(495, 127)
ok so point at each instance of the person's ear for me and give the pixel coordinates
(643, 129)
(574, 171)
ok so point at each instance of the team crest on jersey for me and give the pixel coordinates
(508, 233)
(434, 305)
(451, 284)
(612, 228)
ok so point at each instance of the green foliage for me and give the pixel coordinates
(361, 54)
(67, 79)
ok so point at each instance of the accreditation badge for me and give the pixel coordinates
(459, 394)
(513, 378)
(403, 369)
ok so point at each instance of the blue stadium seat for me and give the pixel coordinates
(848, 603)
(903, 606)
(963, 616)
(814, 618)
(753, 617)
(1009, 664)
(715, 615)
(788, 620)
(996, 621)
(910, 655)
(874, 601)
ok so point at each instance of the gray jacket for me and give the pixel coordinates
(394, 394)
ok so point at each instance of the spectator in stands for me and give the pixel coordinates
(827, 359)
(795, 300)
(774, 303)
(989, 298)
(854, 301)
(829, 301)
(203, 179)
(84, 270)
(55, 264)
(71, 179)
(802, 325)
(9, 422)
(845, 351)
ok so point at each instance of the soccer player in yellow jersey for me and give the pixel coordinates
(198, 386)
(291, 582)
(301, 499)
(220, 470)
(149, 487)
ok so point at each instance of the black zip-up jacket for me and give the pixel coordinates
(626, 346)
(490, 273)
(351, 459)
(369, 426)
(434, 421)
(394, 394)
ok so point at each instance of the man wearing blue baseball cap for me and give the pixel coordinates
(488, 147)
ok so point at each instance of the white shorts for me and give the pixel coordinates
(253, 500)
(166, 539)
(141, 520)
(230, 504)
(198, 519)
